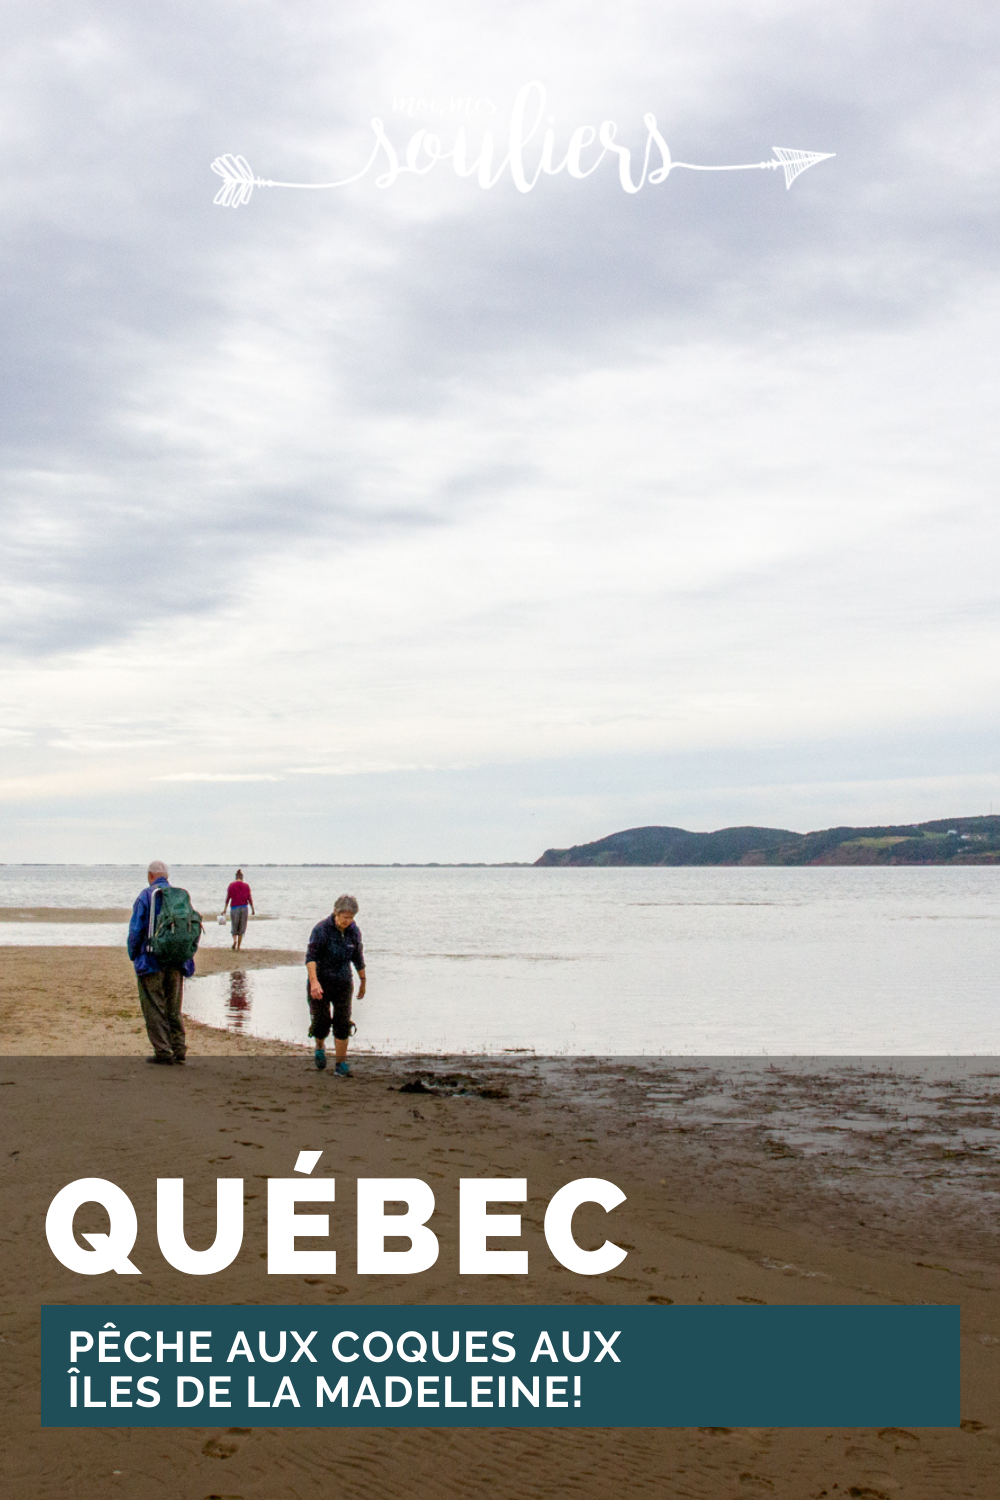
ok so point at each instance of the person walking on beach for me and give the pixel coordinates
(334, 945)
(162, 937)
(238, 897)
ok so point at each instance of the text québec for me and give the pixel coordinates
(112, 1251)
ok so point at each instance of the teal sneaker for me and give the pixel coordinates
(343, 1069)
(320, 1056)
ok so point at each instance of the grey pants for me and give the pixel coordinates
(160, 996)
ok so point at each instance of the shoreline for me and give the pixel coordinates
(899, 1147)
(747, 1180)
(83, 1002)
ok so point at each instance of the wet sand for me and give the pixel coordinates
(83, 1002)
(65, 914)
(798, 1181)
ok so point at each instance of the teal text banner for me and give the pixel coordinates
(500, 1366)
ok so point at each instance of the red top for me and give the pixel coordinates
(238, 894)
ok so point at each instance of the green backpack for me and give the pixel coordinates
(174, 926)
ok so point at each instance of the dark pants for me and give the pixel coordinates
(337, 997)
(160, 996)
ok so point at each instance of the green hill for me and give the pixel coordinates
(946, 841)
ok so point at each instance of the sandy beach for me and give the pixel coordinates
(843, 1181)
(82, 1002)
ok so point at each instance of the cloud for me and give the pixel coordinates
(216, 776)
(444, 477)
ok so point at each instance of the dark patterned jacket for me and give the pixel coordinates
(333, 951)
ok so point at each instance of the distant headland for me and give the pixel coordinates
(947, 841)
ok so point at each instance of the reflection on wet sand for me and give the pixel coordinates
(238, 1001)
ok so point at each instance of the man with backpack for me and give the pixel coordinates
(162, 938)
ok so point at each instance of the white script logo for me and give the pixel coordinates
(424, 150)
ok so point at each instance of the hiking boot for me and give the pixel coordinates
(343, 1070)
(163, 1058)
(320, 1056)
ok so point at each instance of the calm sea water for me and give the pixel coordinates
(592, 961)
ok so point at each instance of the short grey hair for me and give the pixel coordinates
(345, 903)
(157, 867)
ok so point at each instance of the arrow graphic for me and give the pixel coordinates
(239, 181)
(792, 161)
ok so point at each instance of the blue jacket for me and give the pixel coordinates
(138, 933)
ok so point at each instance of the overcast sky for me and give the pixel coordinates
(435, 522)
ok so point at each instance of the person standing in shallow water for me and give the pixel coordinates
(334, 945)
(239, 898)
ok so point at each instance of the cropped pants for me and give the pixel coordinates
(333, 1010)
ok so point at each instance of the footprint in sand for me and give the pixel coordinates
(224, 1447)
(901, 1440)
